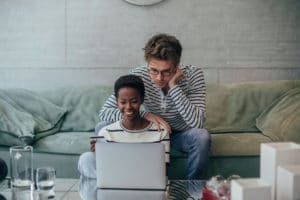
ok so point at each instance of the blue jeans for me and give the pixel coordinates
(196, 142)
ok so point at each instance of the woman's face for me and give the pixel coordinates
(129, 101)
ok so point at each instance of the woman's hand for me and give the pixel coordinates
(92, 148)
(158, 121)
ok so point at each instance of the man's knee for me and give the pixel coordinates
(200, 136)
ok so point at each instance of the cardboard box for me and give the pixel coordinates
(250, 189)
(274, 154)
(288, 182)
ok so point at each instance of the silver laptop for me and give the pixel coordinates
(130, 166)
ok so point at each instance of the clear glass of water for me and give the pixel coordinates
(21, 167)
(22, 181)
(45, 181)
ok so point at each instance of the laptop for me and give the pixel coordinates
(137, 166)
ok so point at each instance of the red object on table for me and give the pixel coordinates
(207, 194)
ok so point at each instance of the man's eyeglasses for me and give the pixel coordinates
(163, 73)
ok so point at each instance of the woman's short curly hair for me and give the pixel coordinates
(130, 81)
(163, 47)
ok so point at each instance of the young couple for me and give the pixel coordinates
(174, 102)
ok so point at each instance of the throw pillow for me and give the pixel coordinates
(26, 116)
(281, 120)
(83, 103)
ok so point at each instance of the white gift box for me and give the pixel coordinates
(274, 154)
(288, 182)
(250, 189)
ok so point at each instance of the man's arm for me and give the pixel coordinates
(191, 105)
(110, 111)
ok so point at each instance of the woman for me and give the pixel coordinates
(132, 128)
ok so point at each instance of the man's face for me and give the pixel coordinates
(161, 72)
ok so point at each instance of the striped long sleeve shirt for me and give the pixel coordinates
(183, 107)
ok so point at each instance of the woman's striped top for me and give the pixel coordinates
(183, 107)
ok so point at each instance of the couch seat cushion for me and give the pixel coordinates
(64, 143)
(232, 144)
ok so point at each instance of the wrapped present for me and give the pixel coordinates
(218, 188)
(207, 194)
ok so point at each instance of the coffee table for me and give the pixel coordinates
(64, 189)
(176, 189)
(85, 189)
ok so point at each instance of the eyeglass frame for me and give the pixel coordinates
(155, 72)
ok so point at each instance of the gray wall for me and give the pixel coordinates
(53, 43)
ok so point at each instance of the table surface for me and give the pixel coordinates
(65, 189)
(85, 189)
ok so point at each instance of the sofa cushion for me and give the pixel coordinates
(231, 144)
(64, 143)
(26, 116)
(281, 120)
(235, 107)
(83, 104)
(234, 144)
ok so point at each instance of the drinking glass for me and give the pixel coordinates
(21, 167)
(45, 181)
(22, 181)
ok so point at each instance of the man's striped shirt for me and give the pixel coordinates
(116, 132)
(183, 107)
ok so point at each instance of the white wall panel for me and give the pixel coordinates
(44, 79)
(240, 74)
(32, 33)
(233, 40)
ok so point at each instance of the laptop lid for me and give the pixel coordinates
(130, 166)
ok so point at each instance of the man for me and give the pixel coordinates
(175, 99)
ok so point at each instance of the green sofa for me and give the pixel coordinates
(240, 116)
